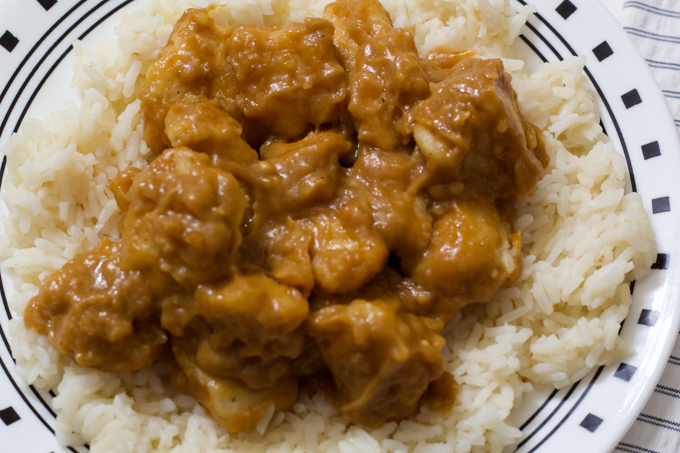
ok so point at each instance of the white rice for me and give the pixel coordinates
(584, 241)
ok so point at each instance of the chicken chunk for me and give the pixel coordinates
(386, 77)
(184, 219)
(120, 186)
(232, 404)
(470, 131)
(248, 328)
(289, 80)
(193, 62)
(346, 250)
(307, 177)
(401, 217)
(440, 62)
(204, 126)
(99, 314)
(388, 284)
(308, 170)
(381, 359)
(471, 255)
(288, 255)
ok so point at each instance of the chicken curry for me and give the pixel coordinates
(322, 202)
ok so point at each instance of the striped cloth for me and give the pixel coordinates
(654, 28)
(657, 428)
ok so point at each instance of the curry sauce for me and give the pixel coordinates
(321, 204)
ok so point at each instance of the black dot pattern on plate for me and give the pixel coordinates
(632, 98)
(648, 317)
(662, 261)
(603, 51)
(625, 372)
(566, 9)
(662, 204)
(47, 4)
(651, 150)
(591, 422)
(9, 416)
(8, 41)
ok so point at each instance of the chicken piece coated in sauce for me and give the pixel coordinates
(308, 173)
(386, 77)
(193, 62)
(471, 255)
(335, 248)
(204, 126)
(184, 219)
(120, 186)
(388, 284)
(381, 359)
(473, 136)
(305, 175)
(399, 216)
(233, 405)
(99, 314)
(346, 250)
(288, 256)
(372, 216)
(440, 61)
(248, 328)
(289, 79)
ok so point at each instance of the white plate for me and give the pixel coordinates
(590, 416)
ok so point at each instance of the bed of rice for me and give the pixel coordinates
(584, 241)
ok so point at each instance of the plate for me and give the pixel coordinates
(591, 415)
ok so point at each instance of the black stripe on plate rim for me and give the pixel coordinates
(545, 403)
(49, 51)
(33, 389)
(66, 52)
(2, 286)
(557, 54)
(597, 88)
(571, 411)
(545, 41)
(23, 396)
(9, 351)
(16, 387)
(532, 47)
(29, 54)
(535, 431)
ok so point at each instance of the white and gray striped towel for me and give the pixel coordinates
(654, 28)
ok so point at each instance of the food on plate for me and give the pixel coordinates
(98, 313)
(227, 290)
(385, 253)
